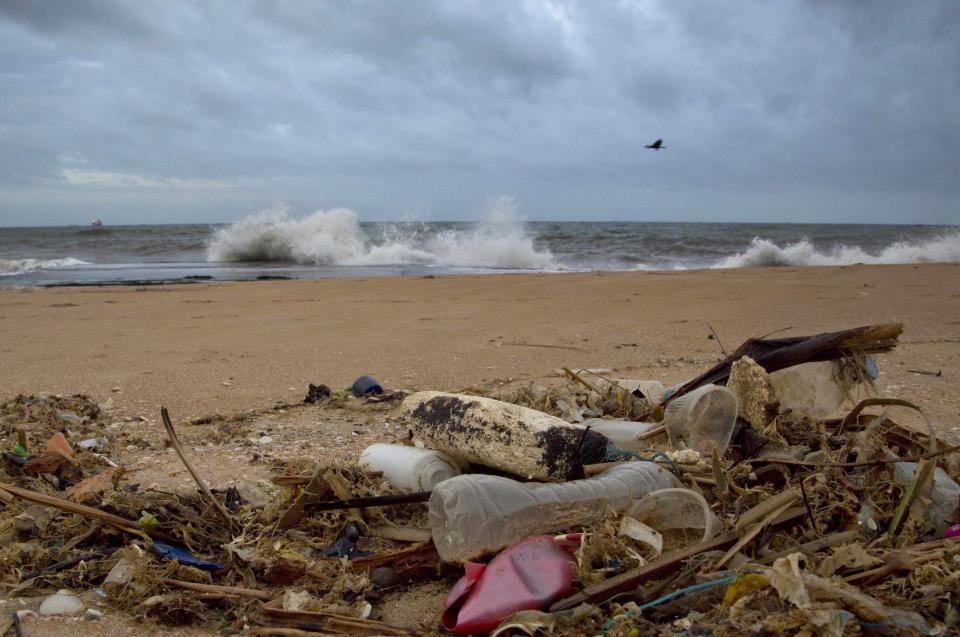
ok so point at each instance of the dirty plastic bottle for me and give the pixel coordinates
(472, 515)
(622, 433)
(410, 468)
(703, 419)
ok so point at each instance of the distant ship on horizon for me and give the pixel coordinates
(97, 223)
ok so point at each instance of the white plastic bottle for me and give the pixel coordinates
(475, 514)
(410, 468)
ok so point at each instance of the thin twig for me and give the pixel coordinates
(576, 349)
(172, 435)
(866, 463)
(716, 337)
(222, 590)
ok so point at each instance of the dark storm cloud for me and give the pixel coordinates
(769, 110)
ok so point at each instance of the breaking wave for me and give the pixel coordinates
(335, 237)
(10, 267)
(763, 252)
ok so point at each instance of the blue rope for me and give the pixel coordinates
(668, 597)
(689, 589)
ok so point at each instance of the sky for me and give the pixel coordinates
(177, 112)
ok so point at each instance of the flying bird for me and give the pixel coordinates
(657, 145)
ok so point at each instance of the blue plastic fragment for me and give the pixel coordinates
(184, 556)
(871, 365)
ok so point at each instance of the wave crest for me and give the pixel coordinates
(10, 267)
(335, 237)
(763, 252)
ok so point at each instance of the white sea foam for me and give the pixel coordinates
(763, 252)
(335, 237)
(10, 267)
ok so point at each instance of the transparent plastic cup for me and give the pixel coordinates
(702, 420)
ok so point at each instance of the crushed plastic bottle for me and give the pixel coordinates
(472, 515)
(944, 497)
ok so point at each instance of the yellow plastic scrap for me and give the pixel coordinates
(744, 586)
(148, 521)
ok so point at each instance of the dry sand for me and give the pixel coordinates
(232, 347)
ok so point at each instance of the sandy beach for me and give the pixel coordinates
(233, 347)
(228, 347)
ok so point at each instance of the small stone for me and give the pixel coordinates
(93, 615)
(115, 390)
(226, 383)
(132, 448)
(62, 602)
(264, 440)
(384, 577)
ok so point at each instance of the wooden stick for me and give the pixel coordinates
(172, 435)
(59, 566)
(116, 521)
(834, 539)
(281, 631)
(331, 622)
(656, 431)
(225, 590)
(373, 501)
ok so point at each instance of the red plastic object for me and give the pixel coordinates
(953, 531)
(530, 575)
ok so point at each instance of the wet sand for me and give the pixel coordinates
(226, 347)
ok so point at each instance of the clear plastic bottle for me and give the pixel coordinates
(472, 515)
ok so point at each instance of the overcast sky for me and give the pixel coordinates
(164, 112)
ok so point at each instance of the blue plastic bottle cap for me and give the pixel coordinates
(366, 385)
(871, 365)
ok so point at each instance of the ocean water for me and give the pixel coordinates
(335, 243)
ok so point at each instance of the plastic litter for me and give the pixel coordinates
(676, 508)
(519, 440)
(703, 419)
(184, 556)
(409, 468)
(472, 515)
(366, 385)
(945, 496)
(622, 433)
(63, 602)
(813, 389)
(530, 575)
(346, 544)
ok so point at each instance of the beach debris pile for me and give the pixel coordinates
(772, 494)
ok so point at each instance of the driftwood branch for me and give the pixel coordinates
(780, 353)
